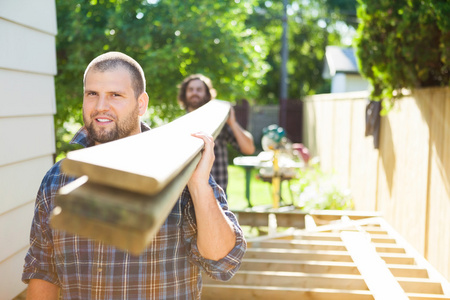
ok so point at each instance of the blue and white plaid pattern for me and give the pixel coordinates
(220, 167)
(170, 268)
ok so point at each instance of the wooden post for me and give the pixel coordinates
(276, 180)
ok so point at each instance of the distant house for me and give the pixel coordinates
(342, 68)
(27, 105)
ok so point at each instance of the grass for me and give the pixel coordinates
(260, 191)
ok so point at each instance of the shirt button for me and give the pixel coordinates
(100, 270)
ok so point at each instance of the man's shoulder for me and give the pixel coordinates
(54, 177)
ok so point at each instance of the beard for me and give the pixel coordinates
(195, 102)
(123, 127)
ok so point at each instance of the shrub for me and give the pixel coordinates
(403, 44)
(319, 190)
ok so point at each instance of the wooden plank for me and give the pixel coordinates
(37, 131)
(155, 157)
(379, 279)
(305, 266)
(126, 220)
(260, 218)
(321, 245)
(346, 224)
(31, 103)
(343, 256)
(328, 236)
(13, 234)
(329, 267)
(290, 254)
(239, 292)
(14, 192)
(24, 12)
(296, 279)
(420, 285)
(25, 49)
(422, 296)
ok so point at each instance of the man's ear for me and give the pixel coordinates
(143, 103)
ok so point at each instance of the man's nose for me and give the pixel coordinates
(102, 103)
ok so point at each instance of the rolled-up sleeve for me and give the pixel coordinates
(225, 268)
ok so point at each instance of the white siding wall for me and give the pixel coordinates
(27, 104)
(342, 83)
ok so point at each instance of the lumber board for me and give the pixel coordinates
(261, 218)
(320, 245)
(120, 218)
(147, 162)
(241, 292)
(335, 236)
(329, 267)
(296, 279)
(269, 253)
(305, 266)
(376, 274)
(325, 216)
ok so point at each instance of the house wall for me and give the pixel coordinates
(407, 178)
(343, 82)
(27, 105)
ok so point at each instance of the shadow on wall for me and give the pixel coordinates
(437, 116)
(387, 154)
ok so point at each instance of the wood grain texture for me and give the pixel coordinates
(147, 162)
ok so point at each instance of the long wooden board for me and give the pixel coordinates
(147, 162)
(128, 187)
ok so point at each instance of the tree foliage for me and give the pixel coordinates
(311, 27)
(236, 43)
(170, 39)
(403, 44)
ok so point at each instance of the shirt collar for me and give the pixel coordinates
(82, 136)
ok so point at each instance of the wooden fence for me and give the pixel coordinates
(407, 177)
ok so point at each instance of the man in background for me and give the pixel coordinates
(195, 91)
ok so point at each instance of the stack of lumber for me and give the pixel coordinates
(339, 255)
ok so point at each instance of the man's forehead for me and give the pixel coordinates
(196, 83)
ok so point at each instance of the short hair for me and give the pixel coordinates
(210, 91)
(113, 60)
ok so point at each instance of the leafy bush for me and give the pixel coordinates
(319, 190)
(403, 44)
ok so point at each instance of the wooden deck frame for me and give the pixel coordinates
(315, 263)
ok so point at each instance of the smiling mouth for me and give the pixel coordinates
(103, 120)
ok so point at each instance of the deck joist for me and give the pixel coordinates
(325, 261)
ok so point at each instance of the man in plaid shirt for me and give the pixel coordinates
(195, 91)
(199, 235)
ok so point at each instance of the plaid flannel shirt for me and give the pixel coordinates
(170, 267)
(220, 168)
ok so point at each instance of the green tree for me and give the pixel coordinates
(170, 39)
(312, 25)
(403, 44)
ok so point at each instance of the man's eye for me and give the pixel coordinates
(92, 93)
